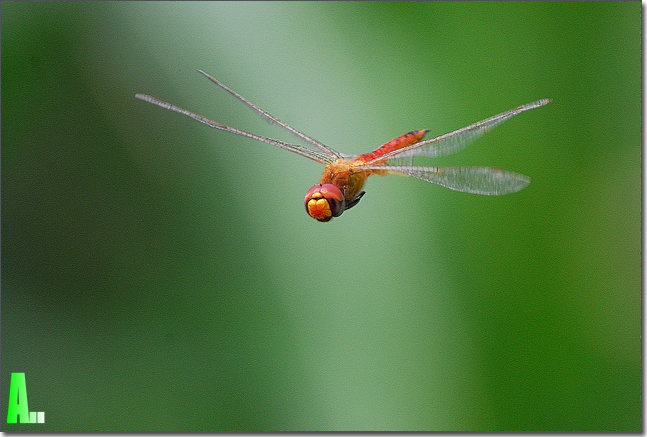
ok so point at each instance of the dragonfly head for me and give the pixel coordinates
(323, 202)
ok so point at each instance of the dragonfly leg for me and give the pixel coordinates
(356, 200)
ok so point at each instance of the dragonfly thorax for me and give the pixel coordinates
(344, 175)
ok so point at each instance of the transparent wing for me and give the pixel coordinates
(457, 140)
(299, 150)
(476, 180)
(273, 119)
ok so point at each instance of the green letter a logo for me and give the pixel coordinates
(18, 399)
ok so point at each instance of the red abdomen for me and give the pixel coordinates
(396, 143)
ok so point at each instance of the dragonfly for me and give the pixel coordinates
(344, 175)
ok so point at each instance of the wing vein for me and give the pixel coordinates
(299, 150)
(475, 180)
(454, 141)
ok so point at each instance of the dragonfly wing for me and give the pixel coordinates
(329, 150)
(299, 150)
(476, 180)
(457, 140)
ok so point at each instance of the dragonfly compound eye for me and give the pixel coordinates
(323, 202)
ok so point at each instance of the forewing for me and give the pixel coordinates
(295, 148)
(328, 150)
(476, 180)
(457, 140)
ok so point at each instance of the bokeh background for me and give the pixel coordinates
(160, 275)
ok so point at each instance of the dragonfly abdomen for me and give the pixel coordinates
(405, 140)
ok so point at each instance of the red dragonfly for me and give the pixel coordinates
(340, 186)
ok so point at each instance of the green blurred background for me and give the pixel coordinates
(160, 275)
